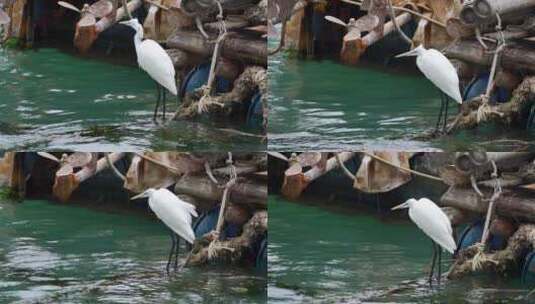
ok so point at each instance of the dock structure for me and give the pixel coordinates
(490, 194)
(490, 43)
(219, 52)
(231, 184)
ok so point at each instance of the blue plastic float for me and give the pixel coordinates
(478, 86)
(198, 77)
(261, 257)
(473, 233)
(528, 269)
(208, 221)
(255, 111)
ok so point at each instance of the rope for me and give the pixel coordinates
(126, 11)
(404, 9)
(396, 25)
(344, 168)
(113, 168)
(207, 90)
(495, 195)
(404, 169)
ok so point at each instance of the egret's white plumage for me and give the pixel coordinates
(153, 59)
(432, 221)
(438, 69)
(172, 211)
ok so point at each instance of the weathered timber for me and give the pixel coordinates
(67, 181)
(295, 181)
(510, 204)
(235, 46)
(241, 193)
(459, 216)
(84, 37)
(514, 57)
(354, 50)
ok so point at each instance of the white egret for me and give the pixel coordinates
(175, 213)
(439, 70)
(154, 60)
(435, 224)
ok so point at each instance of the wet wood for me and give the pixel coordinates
(514, 57)
(360, 45)
(67, 181)
(244, 192)
(236, 46)
(511, 204)
(459, 216)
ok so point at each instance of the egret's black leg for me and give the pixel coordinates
(440, 113)
(157, 101)
(164, 97)
(446, 112)
(177, 252)
(433, 262)
(439, 263)
(171, 251)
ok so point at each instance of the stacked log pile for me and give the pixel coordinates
(197, 178)
(483, 36)
(475, 182)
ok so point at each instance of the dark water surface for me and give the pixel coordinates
(56, 253)
(54, 100)
(324, 105)
(353, 257)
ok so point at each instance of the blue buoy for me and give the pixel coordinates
(528, 269)
(261, 256)
(198, 77)
(255, 115)
(473, 233)
(478, 86)
(208, 221)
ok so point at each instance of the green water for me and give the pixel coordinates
(55, 253)
(54, 100)
(324, 105)
(351, 256)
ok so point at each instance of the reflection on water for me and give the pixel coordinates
(316, 255)
(52, 100)
(326, 105)
(52, 253)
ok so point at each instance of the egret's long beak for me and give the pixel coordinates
(401, 206)
(141, 195)
(407, 54)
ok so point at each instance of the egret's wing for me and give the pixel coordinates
(439, 70)
(189, 207)
(433, 222)
(171, 211)
(154, 60)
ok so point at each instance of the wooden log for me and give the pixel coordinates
(459, 216)
(511, 204)
(67, 181)
(487, 9)
(362, 44)
(296, 182)
(84, 37)
(514, 57)
(236, 46)
(203, 188)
